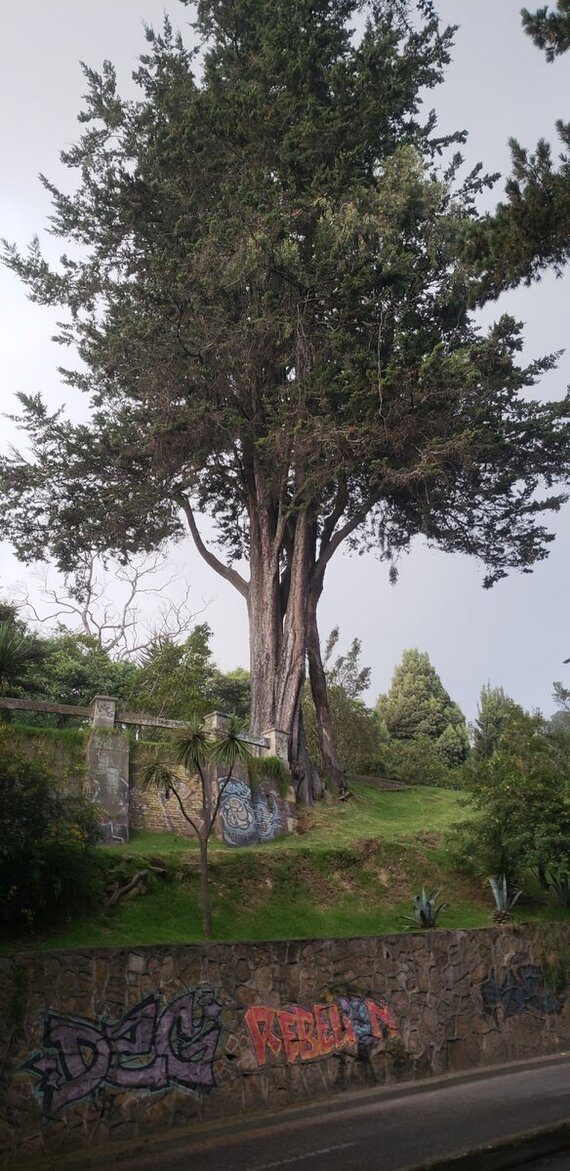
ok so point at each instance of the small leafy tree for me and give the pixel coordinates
(522, 793)
(175, 678)
(196, 751)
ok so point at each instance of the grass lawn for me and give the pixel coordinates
(353, 870)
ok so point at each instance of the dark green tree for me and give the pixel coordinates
(522, 793)
(175, 678)
(417, 707)
(549, 28)
(496, 710)
(76, 668)
(529, 231)
(268, 292)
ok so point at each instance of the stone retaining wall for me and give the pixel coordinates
(112, 1045)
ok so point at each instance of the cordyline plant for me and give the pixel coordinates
(196, 750)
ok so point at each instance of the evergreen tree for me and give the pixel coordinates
(496, 710)
(417, 707)
(530, 231)
(549, 29)
(268, 292)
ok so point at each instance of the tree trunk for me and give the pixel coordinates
(278, 634)
(331, 763)
(204, 886)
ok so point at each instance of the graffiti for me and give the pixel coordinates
(146, 1050)
(236, 813)
(301, 1034)
(521, 990)
(269, 818)
(246, 820)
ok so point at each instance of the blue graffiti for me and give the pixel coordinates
(522, 989)
(248, 820)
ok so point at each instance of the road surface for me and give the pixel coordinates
(377, 1130)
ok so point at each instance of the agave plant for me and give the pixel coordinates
(505, 898)
(426, 909)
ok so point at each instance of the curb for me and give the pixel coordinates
(522, 1150)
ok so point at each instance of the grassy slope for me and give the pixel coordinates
(353, 870)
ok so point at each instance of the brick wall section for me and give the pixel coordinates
(223, 1029)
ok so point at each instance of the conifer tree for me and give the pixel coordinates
(267, 291)
(417, 706)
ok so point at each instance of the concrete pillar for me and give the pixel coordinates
(108, 770)
(278, 744)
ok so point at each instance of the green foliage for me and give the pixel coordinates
(522, 793)
(175, 678)
(269, 290)
(415, 762)
(46, 867)
(425, 733)
(427, 909)
(268, 769)
(355, 726)
(20, 657)
(496, 710)
(196, 750)
(549, 29)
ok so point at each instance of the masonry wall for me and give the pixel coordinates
(108, 1045)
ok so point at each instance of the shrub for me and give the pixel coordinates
(46, 866)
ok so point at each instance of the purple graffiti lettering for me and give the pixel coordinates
(77, 1064)
(190, 1044)
(134, 1061)
(145, 1050)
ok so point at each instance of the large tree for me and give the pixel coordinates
(268, 293)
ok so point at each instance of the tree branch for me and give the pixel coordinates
(226, 571)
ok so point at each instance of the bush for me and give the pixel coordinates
(47, 868)
(416, 762)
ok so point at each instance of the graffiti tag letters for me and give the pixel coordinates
(146, 1050)
(522, 989)
(301, 1034)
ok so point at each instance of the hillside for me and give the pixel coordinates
(353, 869)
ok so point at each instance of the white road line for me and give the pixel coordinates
(298, 1158)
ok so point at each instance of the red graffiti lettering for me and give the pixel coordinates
(288, 1025)
(325, 1034)
(259, 1021)
(304, 1034)
(308, 1040)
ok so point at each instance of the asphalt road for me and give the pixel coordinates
(376, 1131)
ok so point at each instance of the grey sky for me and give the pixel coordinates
(498, 85)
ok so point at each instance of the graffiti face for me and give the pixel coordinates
(246, 820)
(521, 990)
(146, 1050)
(300, 1034)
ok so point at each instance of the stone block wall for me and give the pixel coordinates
(109, 1045)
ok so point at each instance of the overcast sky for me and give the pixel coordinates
(498, 85)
